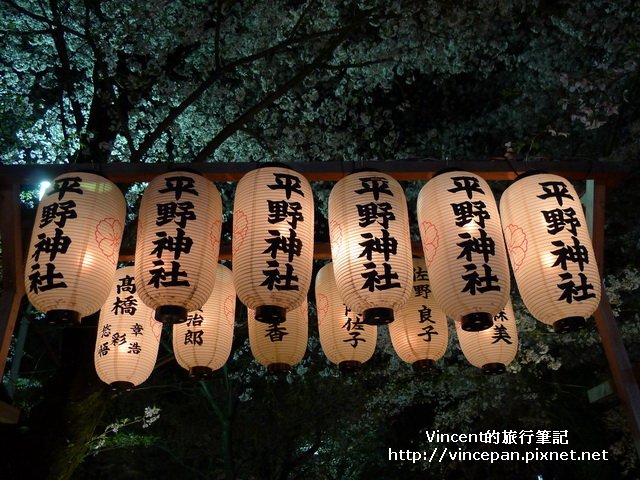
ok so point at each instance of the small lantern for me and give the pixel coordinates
(178, 244)
(494, 348)
(74, 246)
(370, 244)
(550, 250)
(202, 344)
(345, 339)
(464, 248)
(273, 222)
(128, 336)
(279, 346)
(420, 333)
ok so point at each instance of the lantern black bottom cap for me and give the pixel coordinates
(349, 365)
(569, 324)
(270, 314)
(122, 386)
(62, 317)
(279, 367)
(425, 365)
(494, 368)
(200, 373)
(476, 322)
(377, 316)
(171, 314)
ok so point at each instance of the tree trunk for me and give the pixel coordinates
(61, 427)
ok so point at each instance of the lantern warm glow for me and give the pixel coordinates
(420, 333)
(370, 244)
(464, 248)
(550, 250)
(128, 336)
(279, 346)
(494, 348)
(345, 339)
(202, 344)
(74, 247)
(178, 243)
(273, 220)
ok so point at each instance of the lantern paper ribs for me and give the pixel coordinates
(370, 244)
(177, 247)
(494, 348)
(345, 339)
(279, 346)
(420, 333)
(202, 344)
(128, 336)
(464, 247)
(75, 245)
(550, 250)
(273, 221)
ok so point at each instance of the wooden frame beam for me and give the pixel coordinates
(13, 280)
(492, 169)
(12, 177)
(622, 372)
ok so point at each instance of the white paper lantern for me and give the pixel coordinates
(370, 244)
(74, 246)
(345, 339)
(464, 248)
(420, 333)
(128, 336)
(279, 346)
(202, 344)
(178, 244)
(494, 348)
(273, 220)
(550, 250)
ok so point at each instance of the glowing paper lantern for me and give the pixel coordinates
(420, 333)
(74, 246)
(178, 243)
(128, 336)
(550, 250)
(273, 241)
(370, 244)
(202, 344)
(494, 348)
(345, 339)
(279, 346)
(464, 248)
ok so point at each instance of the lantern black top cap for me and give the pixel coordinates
(178, 168)
(274, 164)
(528, 174)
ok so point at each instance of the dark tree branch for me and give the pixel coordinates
(212, 77)
(258, 138)
(66, 77)
(301, 18)
(40, 18)
(239, 122)
(344, 66)
(26, 33)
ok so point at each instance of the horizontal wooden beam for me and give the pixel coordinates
(418, 169)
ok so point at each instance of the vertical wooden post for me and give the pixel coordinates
(617, 357)
(13, 282)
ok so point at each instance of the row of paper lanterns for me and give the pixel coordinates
(76, 239)
(128, 335)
